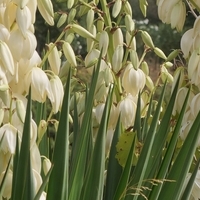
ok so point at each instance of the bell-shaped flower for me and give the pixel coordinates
(6, 58)
(24, 47)
(23, 19)
(127, 110)
(194, 68)
(35, 158)
(9, 134)
(186, 42)
(4, 33)
(32, 5)
(180, 98)
(58, 93)
(46, 165)
(54, 59)
(8, 184)
(40, 85)
(178, 15)
(195, 105)
(118, 38)
(117, 58)
(133, 80)
(46, 10)
(113, 114)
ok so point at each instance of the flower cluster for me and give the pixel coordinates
(20, 69)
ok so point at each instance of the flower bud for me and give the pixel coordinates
(82, 31)
(108, 78)
(145, 68)
(127, 8)
(168, 64)
(116, 8)
(90, 42)
(100, 25)
(143, 7)
(54, 59)
(117, 38)
(103, 42)
(46, 10)
(71, 15)
(134, 59)
(6, 58)
(90, 18)
(70, 4)
(159, 53)
(117, 58)
(129, 23)
(149, 83)
(23, 19)
(165, 75)
(147, 39)
(69, 54)
(4, 87)
(69, 37)
(46, 165)
(62, 20)
(41, 130)
(21, 112)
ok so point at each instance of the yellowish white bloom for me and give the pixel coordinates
(8, 183)
(40, 85)
(54, 59)
(117, 58)
(127, 110)
(133, 80)
(58, 93)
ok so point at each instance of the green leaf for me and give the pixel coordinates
(58, 181)
(141, 167)
(95, 173)
(188, 189)
(23, 168)
(2, 185)
(78, 164)
(114, 170)
(182, 164)
(169, 153)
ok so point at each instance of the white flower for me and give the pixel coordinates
(58, 93)
(40, 85)
(133, 80)
(194, 68)
(113, 114)
(8, 184)
(9, 139)
(127, 109)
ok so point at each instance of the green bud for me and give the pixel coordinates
(159, 53)
(147, 39)
(168, 64)
(149, 83)
(71, 15)
(82, 31)
(69, 37)
(145, 68)
(41, 130)
(90, 18)
(129, 23)
(70, 3)
(62, 20)
(4, 87)
(100, 25)
(103, 42)
(143, 7)
(69, 54)
(134, 59)
(127, 8)
(116, 8)
(173, 54)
